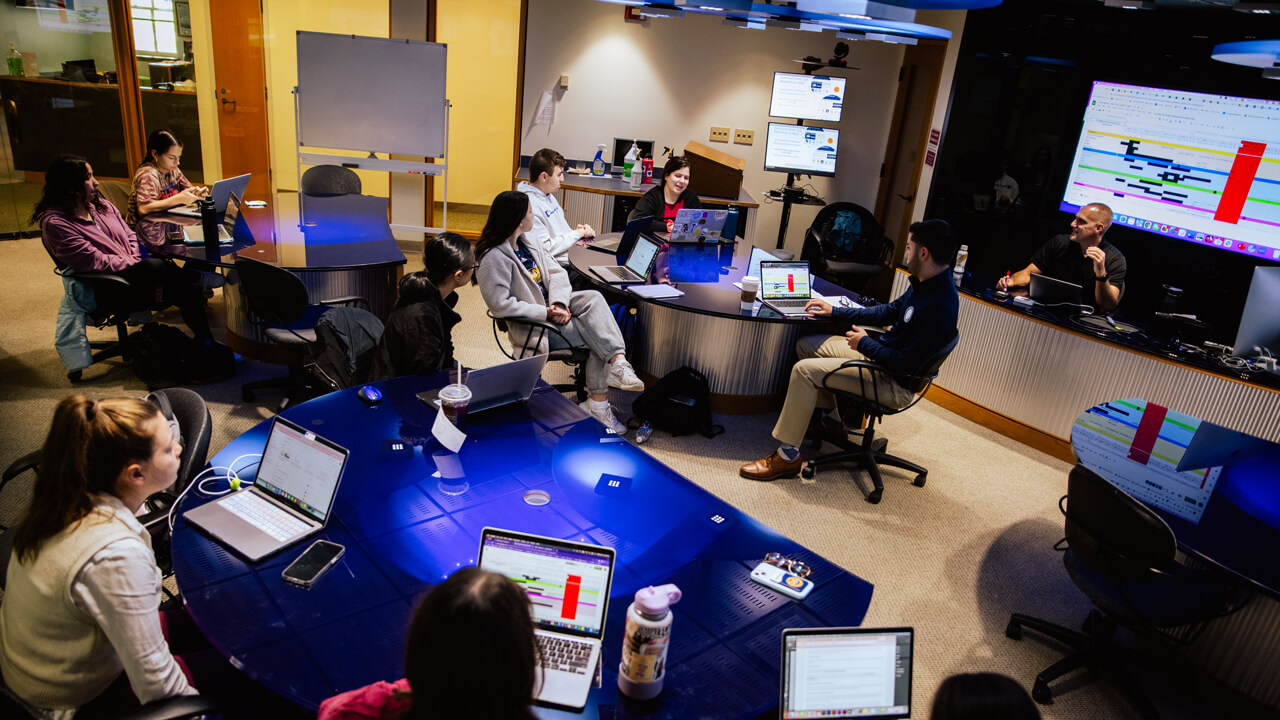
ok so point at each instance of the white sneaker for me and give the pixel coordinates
(623, 376)
(605, 416)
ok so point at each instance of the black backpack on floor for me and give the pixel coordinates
(164, 356)
(679, 403)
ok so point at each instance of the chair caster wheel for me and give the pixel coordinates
(74, 376)
(1013, 631)
(874, 497)
(920, 480)
(807, 472)
(1041, 693)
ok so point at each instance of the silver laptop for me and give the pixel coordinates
(568, 586)
(290, 499)
(846, 673)
(1052, 291)
(493, 387)
(635, 269)
(194, 234)
(784, 285)
(693, 226)
(221, 193)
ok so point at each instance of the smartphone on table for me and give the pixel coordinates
(313, 563)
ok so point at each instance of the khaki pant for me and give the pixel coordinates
(820, 355)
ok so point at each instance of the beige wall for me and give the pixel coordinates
(206, 90)
(953, 21)
(282, 19)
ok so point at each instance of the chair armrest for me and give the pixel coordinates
(182, 706)
(542, 328)
(347, 300)
(19, 466)
(99, 277)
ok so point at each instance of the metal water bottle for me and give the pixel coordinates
(644, 649)
(209, 223)
(646, 165)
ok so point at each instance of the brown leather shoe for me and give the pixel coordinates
(771, 468)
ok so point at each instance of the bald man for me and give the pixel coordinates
(1081, 257)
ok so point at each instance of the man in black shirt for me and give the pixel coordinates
(923, 319)
(1090, 263)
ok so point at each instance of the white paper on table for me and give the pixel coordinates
(655, 291)
(448, 435)
(546, 113)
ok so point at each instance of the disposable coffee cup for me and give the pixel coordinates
(750, 286)
(454, 400)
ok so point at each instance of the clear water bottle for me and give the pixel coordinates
(643, 432)
(15, 62)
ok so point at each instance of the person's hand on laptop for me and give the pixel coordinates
(855, 336)
(558, 314)
(186, 197)
(818, 308)
(587, 232)
(201, 190)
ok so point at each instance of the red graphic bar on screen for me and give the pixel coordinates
(1243, 170)
(791, 283)
(1144, 440)
(569, 608)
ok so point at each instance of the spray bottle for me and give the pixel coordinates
(597, 165)
(637, 174)
(629, 160)
(644, 649)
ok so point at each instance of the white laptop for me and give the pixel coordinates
(692, 226)
(221, 192)
(846, 673)
(194, 234)
(290, 499)
(496, 386)
(568, 585)
(635, 269)
(784, 285)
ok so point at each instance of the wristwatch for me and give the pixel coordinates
(1101, 278)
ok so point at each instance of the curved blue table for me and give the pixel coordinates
(405, 530)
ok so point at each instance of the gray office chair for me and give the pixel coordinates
(330, 180)
(1123, 556)
(573, 355)
(871, 452)
(117, 193)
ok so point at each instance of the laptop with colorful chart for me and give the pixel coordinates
(784, 286)
(568, 586)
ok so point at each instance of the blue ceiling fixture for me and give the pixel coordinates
(1263, 54)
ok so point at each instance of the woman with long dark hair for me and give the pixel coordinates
(80, 625)
(662, 202)
(982, 696)
(470, 653)
(85, 233)
(520, 280)
(418, 337)
(158, 183)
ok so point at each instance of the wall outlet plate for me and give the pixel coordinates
(744, 137)
(719, 134)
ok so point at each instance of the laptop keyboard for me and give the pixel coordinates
(788, 304)
(619, 272)
(564, 654)
(264, 515)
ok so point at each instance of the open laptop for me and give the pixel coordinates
(846, 673)
(221, 193)
(784, 285)
(635, 269)
(290, 499)
(622, 244)
(692, 226)
(568, 585)
(194, 234)
(1052, 291)
(496, 386)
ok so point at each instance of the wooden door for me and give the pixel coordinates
(240, 79)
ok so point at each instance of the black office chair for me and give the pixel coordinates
(174, 708)
(330, 180)
(573, 355)
(871, 452)
(113, 305)
(845, 245)
(1123, 556)
(280, 308)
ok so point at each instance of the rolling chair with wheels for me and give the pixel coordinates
(280, 308)
(109, 295)
(871, 452)
(173, 708)
(1123, 556)
(574, 356)
(330, 180)
(845, 245)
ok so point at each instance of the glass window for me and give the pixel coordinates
(154, 27)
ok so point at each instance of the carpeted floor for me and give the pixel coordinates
(952, 559)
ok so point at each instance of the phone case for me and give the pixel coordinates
(775, 578)
(308, 582)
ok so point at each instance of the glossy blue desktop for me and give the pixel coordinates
(407, 525)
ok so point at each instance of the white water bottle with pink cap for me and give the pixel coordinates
(644, 649)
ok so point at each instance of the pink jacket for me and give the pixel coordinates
(371, 702)
(105, 244)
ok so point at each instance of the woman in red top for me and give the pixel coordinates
(158, 184)
(663, 201)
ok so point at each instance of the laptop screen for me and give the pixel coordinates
(846, 673)
(642, 256)
(301, 469)
(780, 280)
(567, 583)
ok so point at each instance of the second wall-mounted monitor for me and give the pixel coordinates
(801, 150)
(807, 97)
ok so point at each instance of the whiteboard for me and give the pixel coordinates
(371, 94)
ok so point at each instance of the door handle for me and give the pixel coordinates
(226, 102)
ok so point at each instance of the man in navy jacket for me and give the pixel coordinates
(923, 321)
